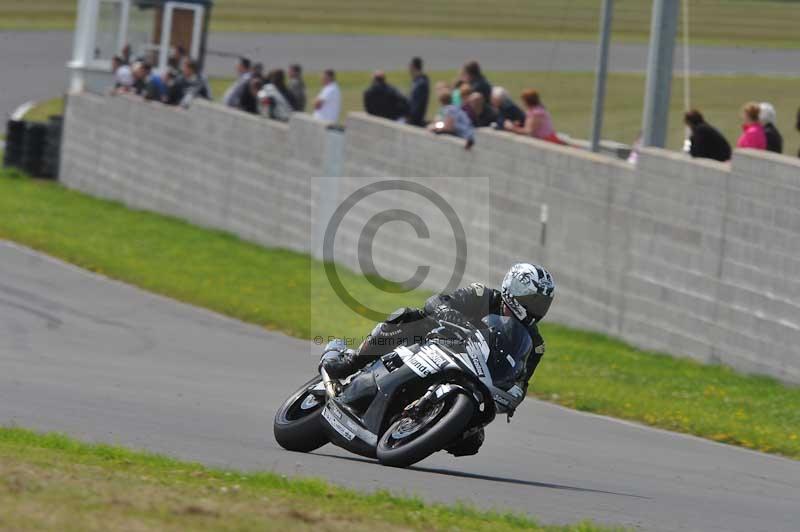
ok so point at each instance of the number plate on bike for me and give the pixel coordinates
(332, 414)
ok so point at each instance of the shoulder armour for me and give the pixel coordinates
(478, 288)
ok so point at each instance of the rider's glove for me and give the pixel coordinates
(338, 360)
(449, 314)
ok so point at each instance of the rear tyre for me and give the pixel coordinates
(413, 438)
(298, 424)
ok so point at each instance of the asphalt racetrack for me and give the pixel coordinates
(103, 361)
(33, 62)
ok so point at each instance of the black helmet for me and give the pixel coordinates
(528, 290)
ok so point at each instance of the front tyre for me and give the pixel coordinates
(298, 424)
(414, 437)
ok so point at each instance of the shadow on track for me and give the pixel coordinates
(490, 478)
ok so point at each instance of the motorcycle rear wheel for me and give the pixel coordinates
(298, 424)
(411, 439)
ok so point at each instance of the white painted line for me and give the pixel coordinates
(20, 112)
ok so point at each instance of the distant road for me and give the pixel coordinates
(104, 361)
(32, 63)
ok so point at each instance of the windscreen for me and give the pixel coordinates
(509, 346)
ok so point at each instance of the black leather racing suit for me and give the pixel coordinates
(465, 306)
(473, 303)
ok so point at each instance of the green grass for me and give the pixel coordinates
(52, 482)
(269, 287)
(719, 22)
(45, 109)
(569, 97)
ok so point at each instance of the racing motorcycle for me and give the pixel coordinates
(415, 400)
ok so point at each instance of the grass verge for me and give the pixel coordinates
(586, 371)
(719, 22)
(52, 482)
(569, 97)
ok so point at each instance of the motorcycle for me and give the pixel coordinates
(415, 400)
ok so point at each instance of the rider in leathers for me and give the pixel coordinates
(526, 293)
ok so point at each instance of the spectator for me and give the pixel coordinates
(176, 57)
(766, 116)
(419, 95)
(706, 141)
(194, 84)
(258, 71)
(474, 77)
(146, 83)
(481, 114)
(233, 96)
(384, 100)
(297, 86)
(538, 122)
(250, 98)
(797, 126)
(505, 108)
(173, 85)
(752, 131)
(126, 54)
(123, 76)
(329, 99)
(278, 78)
(452, 120)
(460, 87)
(273, 100)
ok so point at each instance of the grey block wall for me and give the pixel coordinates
(694, 258)
(690, 257)
(208, 164)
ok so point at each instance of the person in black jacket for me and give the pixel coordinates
(505, 108)
(767, 117)
(525, 294)
(706, 141)
(477, 81)
(384, 100)
(419, 95)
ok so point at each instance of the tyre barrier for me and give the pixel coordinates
(34, 147)
(52, 147)
(15, 135)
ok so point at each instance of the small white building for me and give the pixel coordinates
(149, 29)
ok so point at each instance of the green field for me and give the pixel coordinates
(212, 269)
(569, 97)
(51, 482)
(718, 22)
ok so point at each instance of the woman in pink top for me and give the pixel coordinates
(753, 135)
(538, 123)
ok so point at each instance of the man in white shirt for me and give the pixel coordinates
(329, 100)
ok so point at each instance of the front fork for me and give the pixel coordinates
(437, 393)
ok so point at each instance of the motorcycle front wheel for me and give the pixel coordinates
(298, 424)
(415, 436)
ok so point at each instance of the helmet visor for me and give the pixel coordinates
(536, 305)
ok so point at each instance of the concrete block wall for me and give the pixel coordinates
(694, 258)
(691, 257)
(208, 164)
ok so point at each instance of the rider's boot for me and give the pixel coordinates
(468, 443)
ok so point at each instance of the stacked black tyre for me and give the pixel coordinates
(52, 148)
(15, 137)
(33, 148)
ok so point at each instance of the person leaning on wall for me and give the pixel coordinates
(753, 135)
(706, 141)
(797, 127)
(767, 117)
